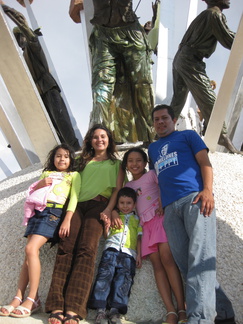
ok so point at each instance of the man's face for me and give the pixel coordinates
(163, 123)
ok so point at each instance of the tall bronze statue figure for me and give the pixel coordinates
(45, 83)
(121, 72)
(189, 73)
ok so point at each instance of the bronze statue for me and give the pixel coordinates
(45, 83)
(189, 73)
(153, 26)
(121, 72)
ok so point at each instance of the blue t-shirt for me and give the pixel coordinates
(173, 158)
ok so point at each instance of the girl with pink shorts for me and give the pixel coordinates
(154, 240)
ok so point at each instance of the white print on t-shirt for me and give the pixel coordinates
(165, 160)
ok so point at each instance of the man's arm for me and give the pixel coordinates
(206, 195)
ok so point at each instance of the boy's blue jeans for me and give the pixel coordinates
(192, 239)
(114, 281)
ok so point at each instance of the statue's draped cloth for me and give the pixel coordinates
(122, 81)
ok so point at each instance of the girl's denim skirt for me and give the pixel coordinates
(44, 223)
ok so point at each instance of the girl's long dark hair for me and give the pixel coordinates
(49, 164)
(88, 152)
(133, 149)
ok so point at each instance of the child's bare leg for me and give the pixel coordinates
(163, 286)
(23, 280)
(35, 242)
(174, 277)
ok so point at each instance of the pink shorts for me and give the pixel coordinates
(153, 234)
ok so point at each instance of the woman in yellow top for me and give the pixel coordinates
(101, 178)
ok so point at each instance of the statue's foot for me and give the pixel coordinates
(225, 141)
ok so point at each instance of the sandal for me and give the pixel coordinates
(56, 316)
(170, 313)
(9, 308)
(184, 321)
(26, 312)
(70, 317)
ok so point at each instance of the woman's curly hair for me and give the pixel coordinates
(88, 152)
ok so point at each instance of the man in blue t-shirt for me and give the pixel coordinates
(185, 175)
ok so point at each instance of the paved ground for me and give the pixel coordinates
(42, 318)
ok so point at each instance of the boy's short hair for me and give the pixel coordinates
(162, 106)
(127, 192)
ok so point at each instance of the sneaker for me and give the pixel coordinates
(114, 319)
(101, 318)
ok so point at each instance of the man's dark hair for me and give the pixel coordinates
(127, 192)
(160, 107)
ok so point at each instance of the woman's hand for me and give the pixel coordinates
(105, 215)
(107, 223)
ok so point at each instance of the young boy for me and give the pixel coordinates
(116, 270)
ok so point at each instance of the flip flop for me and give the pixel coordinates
(56, 316)
(26, 312)
(69, 317)
(9, 308)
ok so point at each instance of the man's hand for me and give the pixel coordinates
(207, 202)
(206, 195)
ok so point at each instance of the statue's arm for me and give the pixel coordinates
(222, 32)
(155, 6)
(21, 22)
(74, 10)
